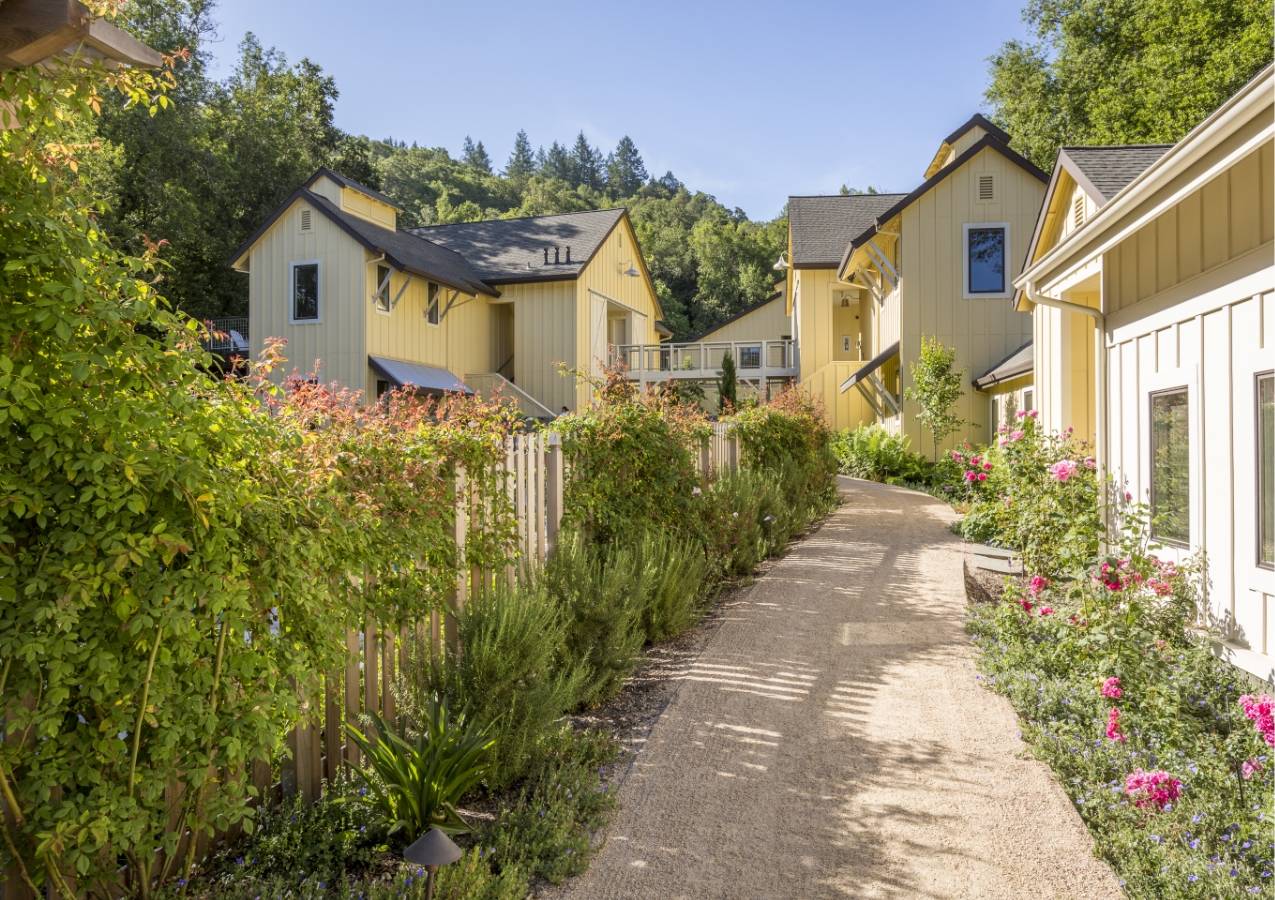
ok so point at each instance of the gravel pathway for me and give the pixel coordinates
(830, 740)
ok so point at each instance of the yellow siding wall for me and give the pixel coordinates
(981, 331)
(841, 410)
(464, 342)
(1064, 371)
(604, 276)
(1231, 215)
(814, 309)
(768, 322)
(369, 208)
(544, 334)
(337, 340)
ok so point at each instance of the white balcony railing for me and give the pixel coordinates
(228, 335)
(753, 359)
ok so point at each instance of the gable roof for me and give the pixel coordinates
(822, 225)
(352, 184)
(402, 249)
(978, 120)
(504, 251)
(1104, 171)
(751, 308)
(986, 142)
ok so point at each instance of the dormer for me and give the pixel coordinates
(960, 140)
(355, 199)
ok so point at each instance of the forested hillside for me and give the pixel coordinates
(203, 173)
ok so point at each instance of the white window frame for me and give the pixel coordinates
(377, 296)
(1158, 383)
(1008, 288)
(435, 303)
(1029, 398)
(1249, 363)
(292, 291)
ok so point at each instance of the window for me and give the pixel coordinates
(750, 357)
(1029, 399)
(986, 249)
(1266, 470)
(432, 315)
(1170, 467)
(305, 292)
(382, 388)
(383, 288)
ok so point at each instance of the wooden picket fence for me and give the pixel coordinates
(319, 748)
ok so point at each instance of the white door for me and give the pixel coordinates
(597, 334)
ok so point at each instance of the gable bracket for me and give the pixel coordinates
(883, 264)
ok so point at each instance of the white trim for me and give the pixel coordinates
(1159, 382)
(1008, 286)
(383, 285)
(292, 294)
(1249, 363)
(436, 303)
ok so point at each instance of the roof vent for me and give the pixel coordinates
(568, 253)
(986, 187)
(305, 220)
(556, 260)
(1078, 211)
(546, 256)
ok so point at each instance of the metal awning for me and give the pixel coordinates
(1015, 365)
(425, 378)
(871, 366)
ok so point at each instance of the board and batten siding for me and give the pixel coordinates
(544, 335)
(768, 322)
(604, 278)
(981, 331)
(1064, 344)
(337, 340)
(464, 342)
(1192, 304)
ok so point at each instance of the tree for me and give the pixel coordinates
(727, 398)
(522, 162)
(850, 191)
(1123, 71)
(936, 386)
(558, 163)
(586, 164)
(626, 173)
(475, 156)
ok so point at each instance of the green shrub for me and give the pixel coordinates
(877, 454)
(418, 781)
(547, 830)
(602, 592)
(1018, 497)
(676, 580)
(512, 675)
(788, 439)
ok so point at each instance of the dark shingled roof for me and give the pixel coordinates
(822, 226)
(1015, 365)
(503, 251)
(1110, 169)
(404, 249)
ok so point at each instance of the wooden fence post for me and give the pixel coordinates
(460, 592)
(553, 492)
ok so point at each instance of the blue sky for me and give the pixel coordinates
(750, 102)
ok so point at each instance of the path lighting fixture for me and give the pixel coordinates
(431, 850)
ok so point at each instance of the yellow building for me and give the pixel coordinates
(939, 262)
(1151, 280)
(483, 306)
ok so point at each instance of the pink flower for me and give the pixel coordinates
(1033, 413)
(957, 456)
(974, 460)
(1021, 413)
(969, 476)
(1158, 788)
(1062, 470)
(1091, 463)
(1113, 726)
(1046, 610)
(1037, 584)
(982, 476)
(1025, 604)
(1128, 497)
(1016, 435)
(1260, 710)
(987, 467)
(1111, 688)
(1250, 767)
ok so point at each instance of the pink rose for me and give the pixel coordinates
(982, 476)
(1037, 584)
(1021, 413)
(1091, 463)
(1046, 610)
(1033, 413)
(1062, 470)
(1016, 435)
(987, 467)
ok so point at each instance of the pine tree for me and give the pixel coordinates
(475, 156)
(626, 173)
(522, 162)
(587, 161)
(559, 164)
